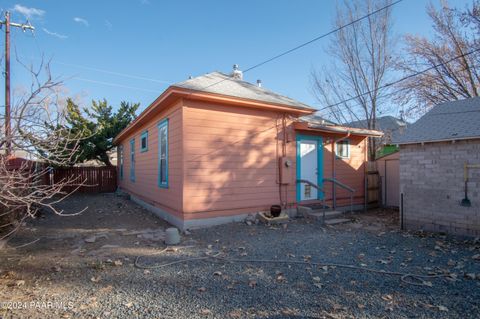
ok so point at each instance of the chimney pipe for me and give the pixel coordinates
(236, 73)
(259, 83)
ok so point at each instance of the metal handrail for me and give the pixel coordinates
(304, 181)
(348, 188)
(333, 180)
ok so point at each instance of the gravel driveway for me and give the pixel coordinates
(83, 267)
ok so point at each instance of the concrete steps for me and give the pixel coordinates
(318, 214)
(332, 217)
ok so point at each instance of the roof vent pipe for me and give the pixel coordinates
(236, 73)
(259, 83)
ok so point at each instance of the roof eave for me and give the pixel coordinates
(230, 99)
(179, 92)
(437, 141)
(166, 95)
(336, 129)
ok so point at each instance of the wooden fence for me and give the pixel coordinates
(373, 185)
(93, 179)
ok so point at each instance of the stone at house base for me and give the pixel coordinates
(172, 236)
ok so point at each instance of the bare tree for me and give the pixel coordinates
(452, 57)
(37, 134)
(353, 87)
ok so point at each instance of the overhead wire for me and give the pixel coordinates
(277, 56)
(324, 35)
(131, 76)
(113, 84)
(401, 80)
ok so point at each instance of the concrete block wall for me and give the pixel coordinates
(432, 183)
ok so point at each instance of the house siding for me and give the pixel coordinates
(146, 186)
(349, 171)
(231, 159)
(223, 163)
(432, 183)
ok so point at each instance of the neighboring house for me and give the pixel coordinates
(391, 127)
(112, 155)
(15, 162)
(215, 148)
(433, 155)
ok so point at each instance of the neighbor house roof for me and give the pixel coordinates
(316, 119)
(389, 125)
(456, 120)
(383, 123)
(220, 83)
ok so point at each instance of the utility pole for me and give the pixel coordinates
(24, 27)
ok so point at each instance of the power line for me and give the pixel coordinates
(275, 57)
(136, 77)
(322, 36)
(401, 79)
(131, 76)
(115, 73)
(307, 43)
(113, 84)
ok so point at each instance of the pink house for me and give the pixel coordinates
(215, 148)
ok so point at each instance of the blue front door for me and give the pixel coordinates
(309, 166)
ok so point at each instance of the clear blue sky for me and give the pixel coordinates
(161, 42)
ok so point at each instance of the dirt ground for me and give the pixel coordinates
(84, 267)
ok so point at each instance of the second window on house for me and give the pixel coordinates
(144, 142)
(163, 153)
(132, 160)
(343, 149)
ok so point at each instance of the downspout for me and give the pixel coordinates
(284, 153)
(334, 171)
(365, 191)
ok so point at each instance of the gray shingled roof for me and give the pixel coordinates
(316, 119)
(383, 123)
(448, 121)
(220, 83)
(389, 125)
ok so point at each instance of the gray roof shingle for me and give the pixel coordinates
(447, 121)
(383, 123)
(389, 125)
(220, 83)
(316, 119)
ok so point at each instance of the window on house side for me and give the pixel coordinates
(343, 149)
(144, 142)
(163, 154)
(132, 160)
